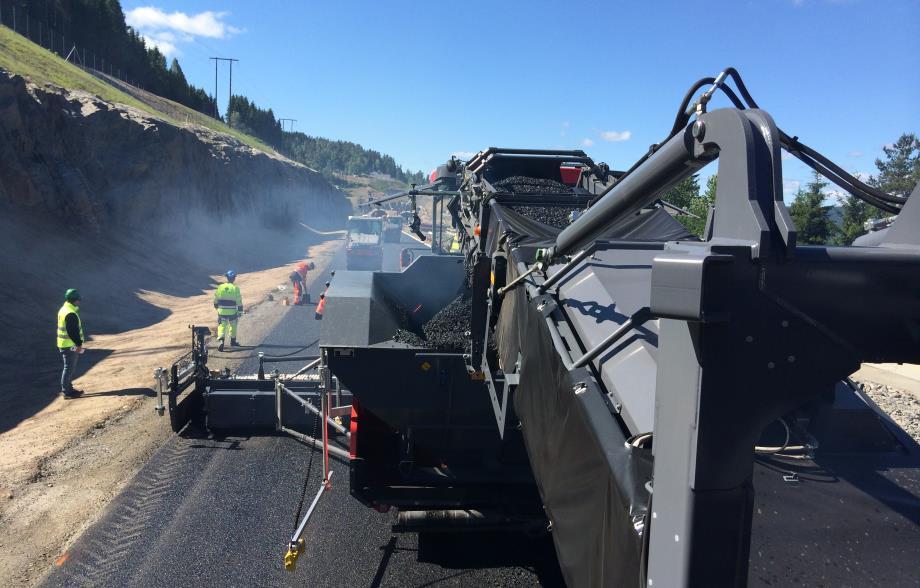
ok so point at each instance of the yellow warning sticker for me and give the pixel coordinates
(426, 366)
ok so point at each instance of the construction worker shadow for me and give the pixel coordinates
(151, 350)
(28, 386)
(148, 392)
(228, 350)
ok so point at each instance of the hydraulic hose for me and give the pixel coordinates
(878, 198)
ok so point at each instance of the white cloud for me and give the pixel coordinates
(855, 154)
(163, 43)
(614, 136)
(564, 130)
(790, 187)
(204, 24)
(786, 155)
(586, 142)
(464, 155)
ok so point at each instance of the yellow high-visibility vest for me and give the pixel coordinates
(228, 300)
(63, 339)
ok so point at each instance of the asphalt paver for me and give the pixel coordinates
(219, 511)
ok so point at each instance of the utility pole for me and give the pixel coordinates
(230, 95)
(290, 120)
(216, 110)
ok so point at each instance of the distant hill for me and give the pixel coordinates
(324, 155)
(103, 43)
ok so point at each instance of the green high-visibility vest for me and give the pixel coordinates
(228, 300)
(63, 339)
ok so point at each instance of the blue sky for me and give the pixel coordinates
(422, 80)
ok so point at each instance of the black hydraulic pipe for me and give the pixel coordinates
(673, 162)
(586, 252)
(637, 319)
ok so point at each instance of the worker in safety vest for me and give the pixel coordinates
(70, 341)
(299, 282)
(229, 304)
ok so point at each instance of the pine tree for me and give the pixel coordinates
(899, 173)
(855, 214)
(811, 217)
(684, 193)
(700, 206)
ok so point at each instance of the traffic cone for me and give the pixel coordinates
(318, 315)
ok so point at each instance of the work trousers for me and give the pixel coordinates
(298, 293)
(223, 322)
(70, 358)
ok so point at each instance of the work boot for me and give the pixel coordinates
(233, 343)
(69, 394)
(221, 346)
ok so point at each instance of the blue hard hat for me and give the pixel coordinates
(231, 275)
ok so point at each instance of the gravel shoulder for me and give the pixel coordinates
(60, 467)
(896, 390)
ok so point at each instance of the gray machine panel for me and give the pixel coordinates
(364, 308)
(622, 278)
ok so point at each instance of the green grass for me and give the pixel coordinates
(21, 56)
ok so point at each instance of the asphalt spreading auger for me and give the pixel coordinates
(675, 411)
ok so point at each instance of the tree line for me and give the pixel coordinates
(98, 29)
(324, 155)
(898, 172)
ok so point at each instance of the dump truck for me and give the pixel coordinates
(363, 243)
(392, 228)
(674, 409)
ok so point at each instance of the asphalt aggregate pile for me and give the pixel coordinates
(445, 331)
(527, 185)
(554, 216)
(902, 406)
(409, 338)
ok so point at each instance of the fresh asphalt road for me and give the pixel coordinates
(212, 511)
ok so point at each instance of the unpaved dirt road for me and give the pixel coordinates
(61, 466)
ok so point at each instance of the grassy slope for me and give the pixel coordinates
(20, 56)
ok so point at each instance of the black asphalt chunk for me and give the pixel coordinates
(445, 331)
(527, 185)
(554, 216)
(409, 338)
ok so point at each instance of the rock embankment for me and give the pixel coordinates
(70, 155)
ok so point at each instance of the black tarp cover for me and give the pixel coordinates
(591, 484)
